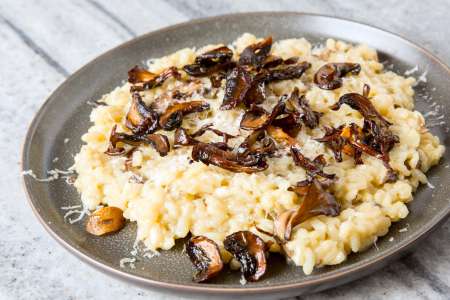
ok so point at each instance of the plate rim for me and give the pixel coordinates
(338, 276)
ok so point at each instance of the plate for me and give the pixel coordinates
(59, 124)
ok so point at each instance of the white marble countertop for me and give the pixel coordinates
(42, 42)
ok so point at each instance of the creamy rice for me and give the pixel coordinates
(179, 196)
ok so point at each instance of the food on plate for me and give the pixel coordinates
(257, 147)
(105, 220)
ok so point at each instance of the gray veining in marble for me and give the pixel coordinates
(44, 41)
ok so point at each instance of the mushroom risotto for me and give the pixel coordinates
(257, 147)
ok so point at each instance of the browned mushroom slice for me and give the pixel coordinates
(329, 76)
(303, 110)
(255, 54)
(249, 145)
(257, 117)
(380, 138)
(312, 167)
(216, 79)
(198, 70)
(274, 61)
(316, 201)
(159, 141)
(362, 104)
(205, 256)
(158, 79)
(116, 137)
(212, 154)
(334, 140)
(218, 59)
(250, 250)
(173, 115)
(280, 136)
(291, 124)
(290, 72)
(256, 94)
(182, 138)
(215, 56)
(238, 83)
(105, 220)
(140, 75)
(141, 119)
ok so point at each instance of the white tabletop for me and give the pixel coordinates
(42, 42)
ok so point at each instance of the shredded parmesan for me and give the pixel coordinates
(128, 261)
(391, 239)
(70, 207)
(375, 244)
(243, 281)
(52, 175)
(411, 71)
(422, 77)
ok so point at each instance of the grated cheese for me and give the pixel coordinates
(422, 77)
(52, 174)
(243, 281)
(411, 71)
(128, 261)
(404, 229)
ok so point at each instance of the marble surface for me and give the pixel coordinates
(42, 42)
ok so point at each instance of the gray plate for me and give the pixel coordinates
(66, 115)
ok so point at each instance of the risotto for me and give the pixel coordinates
(172, 195)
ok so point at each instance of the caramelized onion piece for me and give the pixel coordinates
(329, 76)
(105, 220)
(250, 250)
(317, 201)
(290, 72)
(237, 85)
(256, 54)
(362, 104)
(205, 256)
(312, 167)
(216, 155)
(141, 119)
(173, 115)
